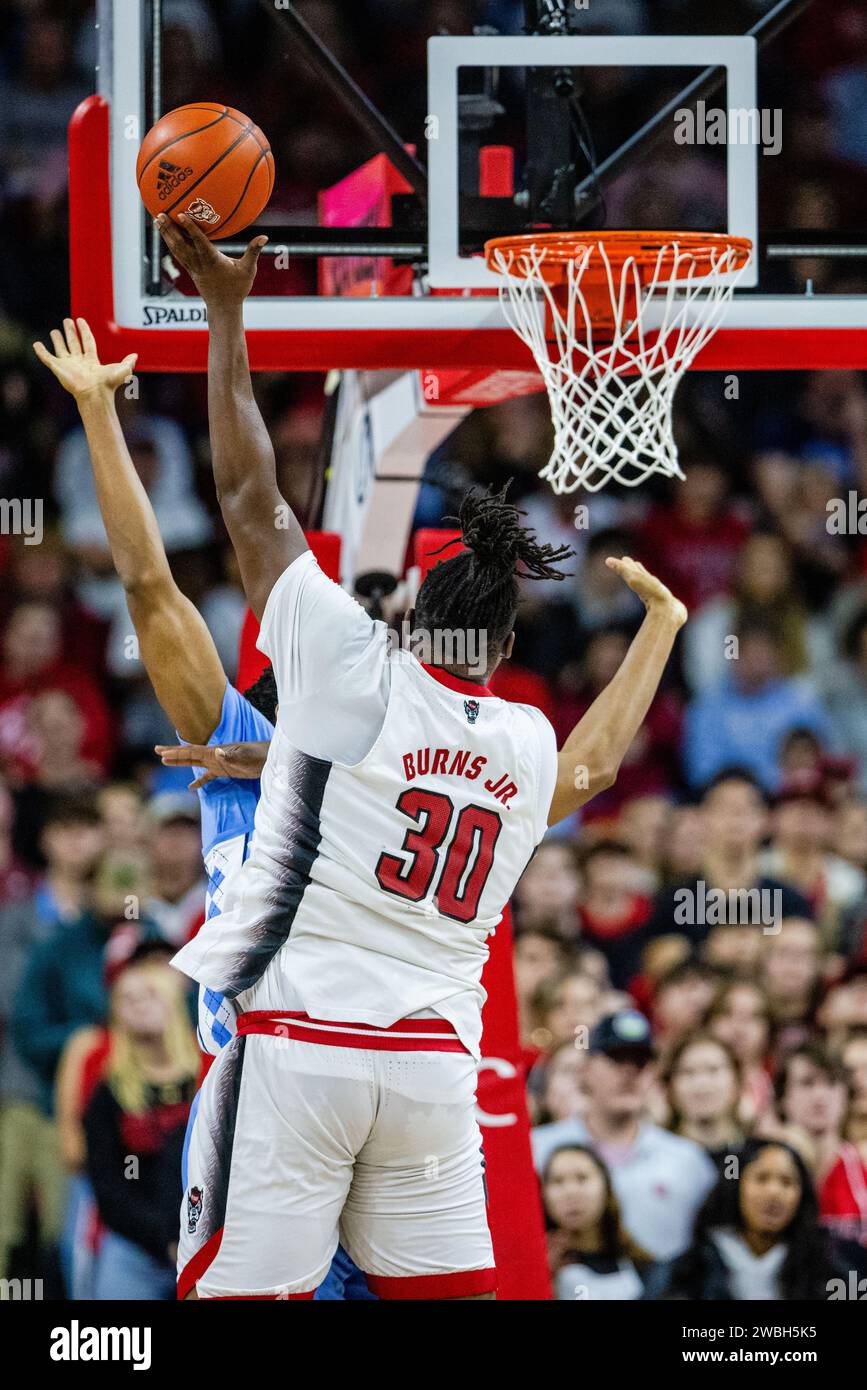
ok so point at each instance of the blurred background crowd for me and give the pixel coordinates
(661, 1043)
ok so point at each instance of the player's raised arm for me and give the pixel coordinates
(590, 758)
(243, 456)
(176, 647)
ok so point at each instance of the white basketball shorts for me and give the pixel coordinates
(307, 1133)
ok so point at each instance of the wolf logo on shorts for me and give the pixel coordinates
(195, 1197)
(471, 710)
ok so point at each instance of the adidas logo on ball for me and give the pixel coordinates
(170, 177)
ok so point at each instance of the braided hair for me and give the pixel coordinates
(477, 590)
(262, 694)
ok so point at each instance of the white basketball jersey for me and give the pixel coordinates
(371, 887)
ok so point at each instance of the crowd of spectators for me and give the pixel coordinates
(697, 1081)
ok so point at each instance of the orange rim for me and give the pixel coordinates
(701, 251)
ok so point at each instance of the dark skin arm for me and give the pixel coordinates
(265, 533)
(175, 645)
(242, 760)
(590, 758)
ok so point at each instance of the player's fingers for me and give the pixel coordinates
(172, 235)
(177, 756)
(72, 340)
(128, 364)
(250, 258)
(44, 355)
(88, 342)
(200, 781)
(59, 343)
(195, 234)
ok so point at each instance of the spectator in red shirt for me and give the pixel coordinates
(614, 910)
(33, 664)
(692, 543)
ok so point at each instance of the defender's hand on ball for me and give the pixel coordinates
(76, 363)
(219, 279)
(651, 591)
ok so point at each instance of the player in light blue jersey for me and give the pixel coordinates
(227, 728)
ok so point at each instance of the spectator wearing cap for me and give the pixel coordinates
(734, 815)
(590, 1254)
(800, 854)
(176, 902)
(745, 716)
(757, 1237)
(659, 1178)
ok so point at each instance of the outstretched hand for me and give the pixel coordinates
(650, 590)
(219, 279)
(75, 361)
(238, 760)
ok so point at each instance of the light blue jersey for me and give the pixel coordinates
(228, 809)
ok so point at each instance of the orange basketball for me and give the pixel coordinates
(210, 162)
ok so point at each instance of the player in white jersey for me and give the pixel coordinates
(401, 802)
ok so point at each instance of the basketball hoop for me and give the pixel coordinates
(625, 315)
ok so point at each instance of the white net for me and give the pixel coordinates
(611, 400)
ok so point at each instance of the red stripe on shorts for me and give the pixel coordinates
(195, 1268)
(407, 1035)
(461, 1285)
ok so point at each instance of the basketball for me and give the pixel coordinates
(209, 161)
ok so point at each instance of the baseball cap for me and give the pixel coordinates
(626, 1032)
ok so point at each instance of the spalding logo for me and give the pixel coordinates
(202, 211)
